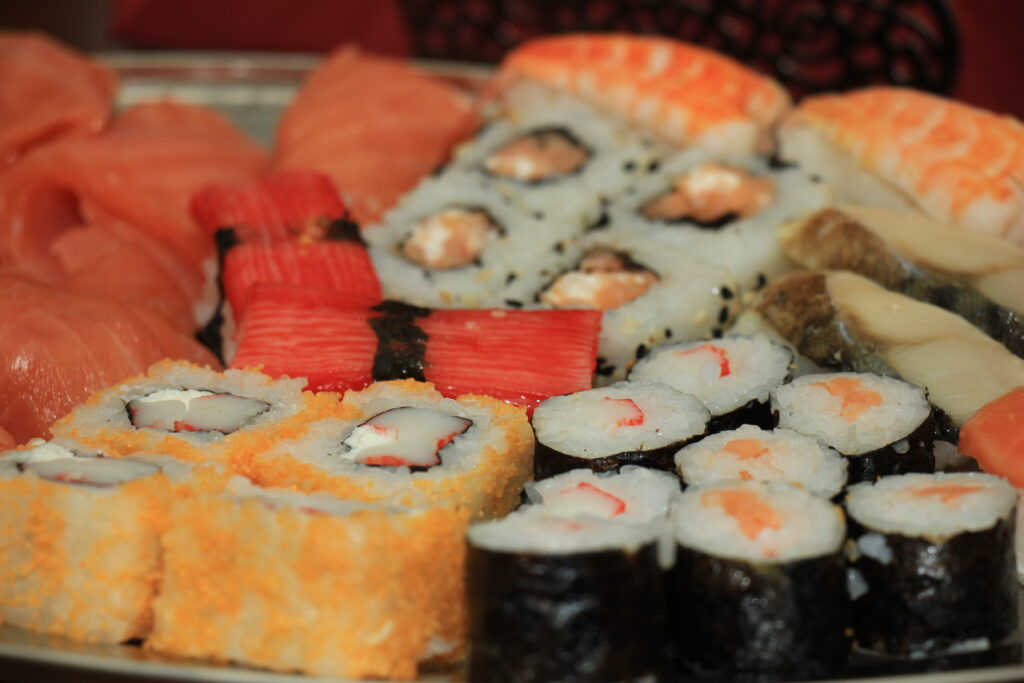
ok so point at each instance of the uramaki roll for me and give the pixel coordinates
(404, 443)
(306, 583)
(80, 551)
(196, 414)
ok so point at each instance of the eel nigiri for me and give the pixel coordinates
(901, 149)
(978, 277)
(687, 94)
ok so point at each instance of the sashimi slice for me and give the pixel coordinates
(995, 437)
(48, 91)
(376, 126)
(58, 348)
(284, 205)
(139, 176)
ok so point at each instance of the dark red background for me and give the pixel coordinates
(992, 44)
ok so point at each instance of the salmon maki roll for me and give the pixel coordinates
(195, 414)
(686, 94)
(404, 443)
(902, 149)
(339, 588)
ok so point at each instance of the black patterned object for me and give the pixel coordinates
(809, 45)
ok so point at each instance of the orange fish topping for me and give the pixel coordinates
(746, 449)
(723, 358)
(856, 399)
(747, 508)
(947, 493)
(632, 417)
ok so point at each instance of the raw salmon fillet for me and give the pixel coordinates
(375, 125)
(48, 91)
(58, 348)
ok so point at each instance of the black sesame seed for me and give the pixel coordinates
(641, 351)
(653, 166)
(668, 333)
(723, 315)
(603, 368)
(716, 333)
(761, 280)
(539, 215)
(726, 293)
(629, 166)
(510, 278)
(513, 303)
(559, 248)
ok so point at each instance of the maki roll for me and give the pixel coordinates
(627, 423)
(194, 413)
(564, 599)
(404, 443)
(759, 583)
(339, 588)
(933, 563)
(733, 376)
(632, 494)
(719, 209)
(883, 426)
(753, 454)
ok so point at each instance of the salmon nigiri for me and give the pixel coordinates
(48, 91)
(376, 126)
(687, 94)
(898, 148)
(58, 348)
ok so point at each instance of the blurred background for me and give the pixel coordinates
(969, 49)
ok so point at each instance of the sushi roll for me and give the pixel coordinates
(933, 563)
(733, 376)
(339, 589)
(882, 425)
(452, 243)
(404, 443)
(750, 453)
(649, 295)
(81, 548)
(632, 494)
(759, 583)
(194, 413)
(564, 599)
(719, 209)
(627, 423)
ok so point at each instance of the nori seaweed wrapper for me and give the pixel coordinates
(752, 412)
(401, 343)
(918, 456)
(547, 462)
(740, 618)
(589, 616)
(934, 593)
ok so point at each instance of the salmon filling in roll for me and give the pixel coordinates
(711, 195)
(451, 238)
(604, 279)
(538, 156)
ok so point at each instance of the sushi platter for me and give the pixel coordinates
(545, 343)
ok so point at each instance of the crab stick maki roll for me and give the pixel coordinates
(933, 563)
(339, 588)
(759, 583)
(649, 295)
(194, 413)
(80, 554)
(733, 376)
(627, 423)
(750, 453)
(722, 210)
(453, 244)
(882, 425)
(632, 494)
(403, 442)
(559, 599)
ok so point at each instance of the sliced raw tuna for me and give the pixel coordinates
(376, 126)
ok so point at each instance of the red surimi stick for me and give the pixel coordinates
(281, 206)
(341, 342)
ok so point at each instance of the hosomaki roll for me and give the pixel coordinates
(564, 599)
(194, 413)
(310, 583)
(882, 425)
(933, 565)
(750, 453)
(518, 356)
(627, 423)
(404, 443)
(80, 552)
(733, 376)
(759, 583)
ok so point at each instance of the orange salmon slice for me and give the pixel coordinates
(746, 449)
(749, 510)
(856, 399)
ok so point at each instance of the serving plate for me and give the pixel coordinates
(253, 90)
